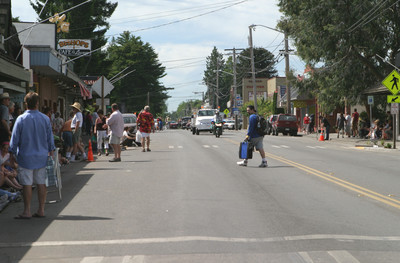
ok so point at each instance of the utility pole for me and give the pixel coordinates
(234, 83)
(102, 94)
(288, 95)
(216, 93)
(253, 72)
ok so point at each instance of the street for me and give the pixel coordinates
(188, 201)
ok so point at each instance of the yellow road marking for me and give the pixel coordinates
(350, 186)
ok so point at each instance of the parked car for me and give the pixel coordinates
(270, 120)
(184, 122)
(230, 124)
(129, 120)
(286, 124)
(173, 125)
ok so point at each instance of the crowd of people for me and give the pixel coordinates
(353, 125)
(28, 139)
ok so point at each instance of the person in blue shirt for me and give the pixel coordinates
(253, 137)
(31, 143)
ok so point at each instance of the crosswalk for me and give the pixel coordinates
(282, 146)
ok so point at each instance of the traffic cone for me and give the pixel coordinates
(90, 153)
(321, 137)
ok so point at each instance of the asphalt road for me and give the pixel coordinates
(188, 201)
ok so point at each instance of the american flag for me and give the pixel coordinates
(85, 93)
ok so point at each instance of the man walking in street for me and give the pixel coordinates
(116, 124)
(253, 137)
(146, 125)
(32, 142)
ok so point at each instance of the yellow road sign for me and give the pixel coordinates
(226, 111)
(393, 99)
(392, 82)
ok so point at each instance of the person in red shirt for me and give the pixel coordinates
(306, 122)
(146, 125)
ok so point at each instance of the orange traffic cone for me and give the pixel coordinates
(321, 137)
(90, 153)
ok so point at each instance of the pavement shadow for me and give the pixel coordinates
(30, 230)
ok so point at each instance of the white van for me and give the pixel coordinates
(130, 120)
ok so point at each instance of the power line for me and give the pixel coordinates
(185, 19)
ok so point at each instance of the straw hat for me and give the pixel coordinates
(5, 95)
(77, 106)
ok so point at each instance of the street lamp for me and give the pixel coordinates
(286, 65)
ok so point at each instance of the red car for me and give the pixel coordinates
(173, 125)
(286, 124)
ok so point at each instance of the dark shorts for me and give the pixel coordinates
(67, 138)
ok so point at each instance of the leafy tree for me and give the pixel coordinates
(88, 21)
(134, 89)
(338, 34)
(264, 64)
(213, 62)
(185, 108)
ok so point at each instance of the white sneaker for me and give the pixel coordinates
(242, 163)
(263, 164)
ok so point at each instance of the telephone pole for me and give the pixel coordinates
(234, 83)
(253, 71)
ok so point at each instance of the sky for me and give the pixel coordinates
(184, 32)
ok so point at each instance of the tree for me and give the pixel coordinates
(144, 83)
(216, 62)
(340, 35)
(88, 21)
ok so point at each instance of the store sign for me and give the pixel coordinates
(74, 47)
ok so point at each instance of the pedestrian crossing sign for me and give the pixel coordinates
(392, 82)
(226, 111)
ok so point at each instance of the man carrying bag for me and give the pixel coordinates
(254, 139)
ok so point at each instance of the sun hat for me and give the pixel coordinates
(5, 95)
(77, 106)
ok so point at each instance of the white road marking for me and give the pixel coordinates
(92, 259)
(206, 146)
(320, 147)
(312, 147)
(180, 147)
(343, 256)
(306, 257)
(171, 147)
(285, 146)
(275, 146)
(340, 238)
(215, 146)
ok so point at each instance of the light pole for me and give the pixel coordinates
(288, 98)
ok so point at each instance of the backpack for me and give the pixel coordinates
(262, 125)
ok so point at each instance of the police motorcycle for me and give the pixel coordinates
(217, 125)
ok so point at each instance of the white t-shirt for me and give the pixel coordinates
(5, 158)
(77, 117)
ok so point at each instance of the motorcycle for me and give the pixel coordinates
(218, 127)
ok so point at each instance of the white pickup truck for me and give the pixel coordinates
(202, 121)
